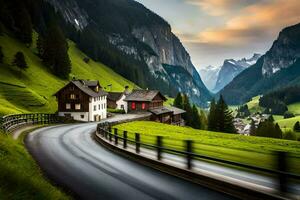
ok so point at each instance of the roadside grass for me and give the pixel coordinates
(249, 150)
(32, 90)
(20, 176)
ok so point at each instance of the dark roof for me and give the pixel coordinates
(160, 110)
(176, 111)
(143, 95)
(115, 96)
(90, 83)
(84, 87)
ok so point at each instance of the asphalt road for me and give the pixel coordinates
(69, 155)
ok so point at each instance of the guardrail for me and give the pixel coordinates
(11, 122)
(282, 174)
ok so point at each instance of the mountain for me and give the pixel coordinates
(279, 67)
(231, 68)
(135, 42)
(209, 75)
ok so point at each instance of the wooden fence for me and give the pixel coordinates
(11, 122)
(114, 136)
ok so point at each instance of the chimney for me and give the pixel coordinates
(126, 91)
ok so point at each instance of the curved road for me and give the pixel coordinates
(69, 155)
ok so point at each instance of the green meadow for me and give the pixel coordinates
(249, 150)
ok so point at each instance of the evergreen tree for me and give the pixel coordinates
(271, 119)
(1, 55)
(40, 45)
(278, 132)
(20, 61)
(23, 23)
(224, 117)
(196, 121)
(55, 52)
(189, 112)
(297, 127)
(212, 121)
(252, 128)
(268, 129)
(178, 101)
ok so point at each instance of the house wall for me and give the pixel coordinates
(138, 106)
(121, 103)
(78, 116)
(100, 103)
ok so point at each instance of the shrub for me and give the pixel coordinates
(288, 115)
(297, 127)
(289, 135)
(117, 111)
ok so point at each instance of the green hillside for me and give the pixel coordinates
(295, 108)
(32, 90)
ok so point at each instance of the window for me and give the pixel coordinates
(77, 106)
(95, 108)
(95, 99)
(82, 116)
(133, 106)
(68, 106)
(72, 96)
(143, 106)
(99, 106)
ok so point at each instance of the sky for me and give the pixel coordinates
(215, 30)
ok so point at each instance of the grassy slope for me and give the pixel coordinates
(250, 150)
(295, 108)
(21, 178)
(36, 85)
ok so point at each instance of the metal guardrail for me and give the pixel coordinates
(10, 122)
(282, 174)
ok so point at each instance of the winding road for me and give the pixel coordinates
(69, 155)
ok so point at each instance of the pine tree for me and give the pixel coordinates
(297, 127)
(40, 45)
(196, 121)
(23, 23)
(55, 52)
(20, 61)
(278, 132)
(212, 118)
(224, 117)
(252, 128)
(187, 107)
(1, 55)
(178, 101)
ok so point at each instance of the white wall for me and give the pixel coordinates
(76, 115)
(122, 102)
(101, 111)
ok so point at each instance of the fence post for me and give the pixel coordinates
(137, 143)
(159, 145)
(282, 167)
(116, 136)
(125, 139)
(189, 151)
(109, 133)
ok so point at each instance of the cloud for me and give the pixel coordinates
(219, 7)
(254, 23)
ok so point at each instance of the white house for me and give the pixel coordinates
(82, 100)
(115, 100)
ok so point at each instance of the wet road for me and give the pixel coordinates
(69, 155)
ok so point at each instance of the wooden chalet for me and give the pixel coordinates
(153, 101)
(82, 100)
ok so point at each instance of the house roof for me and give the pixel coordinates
(143, 95)
(160, 110)
(176, 111)
(115, 96)
(84, 87)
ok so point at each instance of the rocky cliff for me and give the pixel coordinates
(137, 34)
(278, 68)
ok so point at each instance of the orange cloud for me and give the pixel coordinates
(260, 20)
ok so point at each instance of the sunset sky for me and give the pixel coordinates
(213, 30)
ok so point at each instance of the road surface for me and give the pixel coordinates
(69, 155)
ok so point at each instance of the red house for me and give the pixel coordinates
(153, 101)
